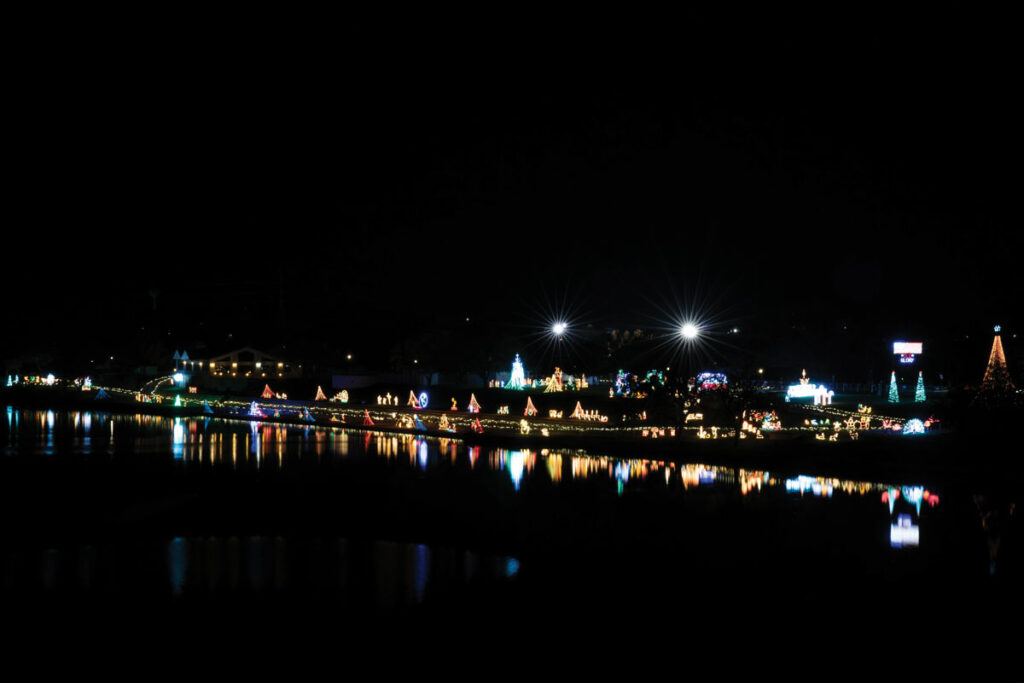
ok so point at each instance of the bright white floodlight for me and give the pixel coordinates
(558, 328)
(689, 331)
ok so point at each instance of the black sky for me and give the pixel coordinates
(350, 183)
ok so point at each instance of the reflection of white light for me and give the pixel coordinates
(904, 532)
(558, 328)
(179, 439)
(515, 468)
(689, 331)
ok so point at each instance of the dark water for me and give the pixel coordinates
(200, 515)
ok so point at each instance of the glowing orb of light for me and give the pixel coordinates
(558, 328)
(689, 331)
(997, 329)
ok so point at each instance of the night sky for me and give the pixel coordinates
(823, 183)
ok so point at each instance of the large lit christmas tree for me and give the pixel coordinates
(919, 391)
(518, 379)
(894, 393)
(997, 377)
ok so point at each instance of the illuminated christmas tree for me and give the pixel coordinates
(997, 377)
(474, 407)
(518, 379)
(894, 394)
(413, 401)
(267, 392)
(320, 396)
(919, 392)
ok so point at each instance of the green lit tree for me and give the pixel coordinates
(919, 392)
(894, 393)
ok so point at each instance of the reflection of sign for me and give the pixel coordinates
(904, 533)
(907, 347)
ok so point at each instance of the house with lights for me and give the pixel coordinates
(243, 363)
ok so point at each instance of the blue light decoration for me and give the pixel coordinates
(9, 382)
(914, 426)
(518, 379)
(420, 427)
(711, 381)
(254, 410)
(914, 495)
(423, 399)
(178, 378)
(622, 383)
(88, 382)
(50, 379)
(656, 376)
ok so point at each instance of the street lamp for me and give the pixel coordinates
(559, 329)
(689, 331)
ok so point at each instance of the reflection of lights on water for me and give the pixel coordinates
(904, 533)
(87, 421)
(179, 439)
(515, 467)
(803, 484)
(423, 455)
(421, 570)
(177, 561)
(621, 476)
(511, 567)
(49, 419)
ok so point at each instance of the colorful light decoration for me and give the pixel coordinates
(474, 407)
(267, 392)
(413, 401)
(424, 399)
(894, 392)
(919, 396)
(518, 380)
(531, 410)
(320, 395)
(804, 389)
(254, 410)
(712, 380)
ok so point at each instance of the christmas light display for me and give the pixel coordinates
(9, 382)
(455, 406)
(518, 379)
(320, 395)
(919, 391)
(177, 401)
(477, 427)
(367, 422)
(712, 380)
(420, 427)
(531, 410)
(443, 424)
(254, 410)
(413, 402)
(894, 393)
(622, 383)
(474, 407)
(554, 382)
(913, 426)
(206, 408)
(267, 392)
(102, 394)
(577, 414)
(997, 377)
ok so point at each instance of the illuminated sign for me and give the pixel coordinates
(907, 347)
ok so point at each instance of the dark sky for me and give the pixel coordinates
(352, 183)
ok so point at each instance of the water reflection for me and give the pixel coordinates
(200, 442)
